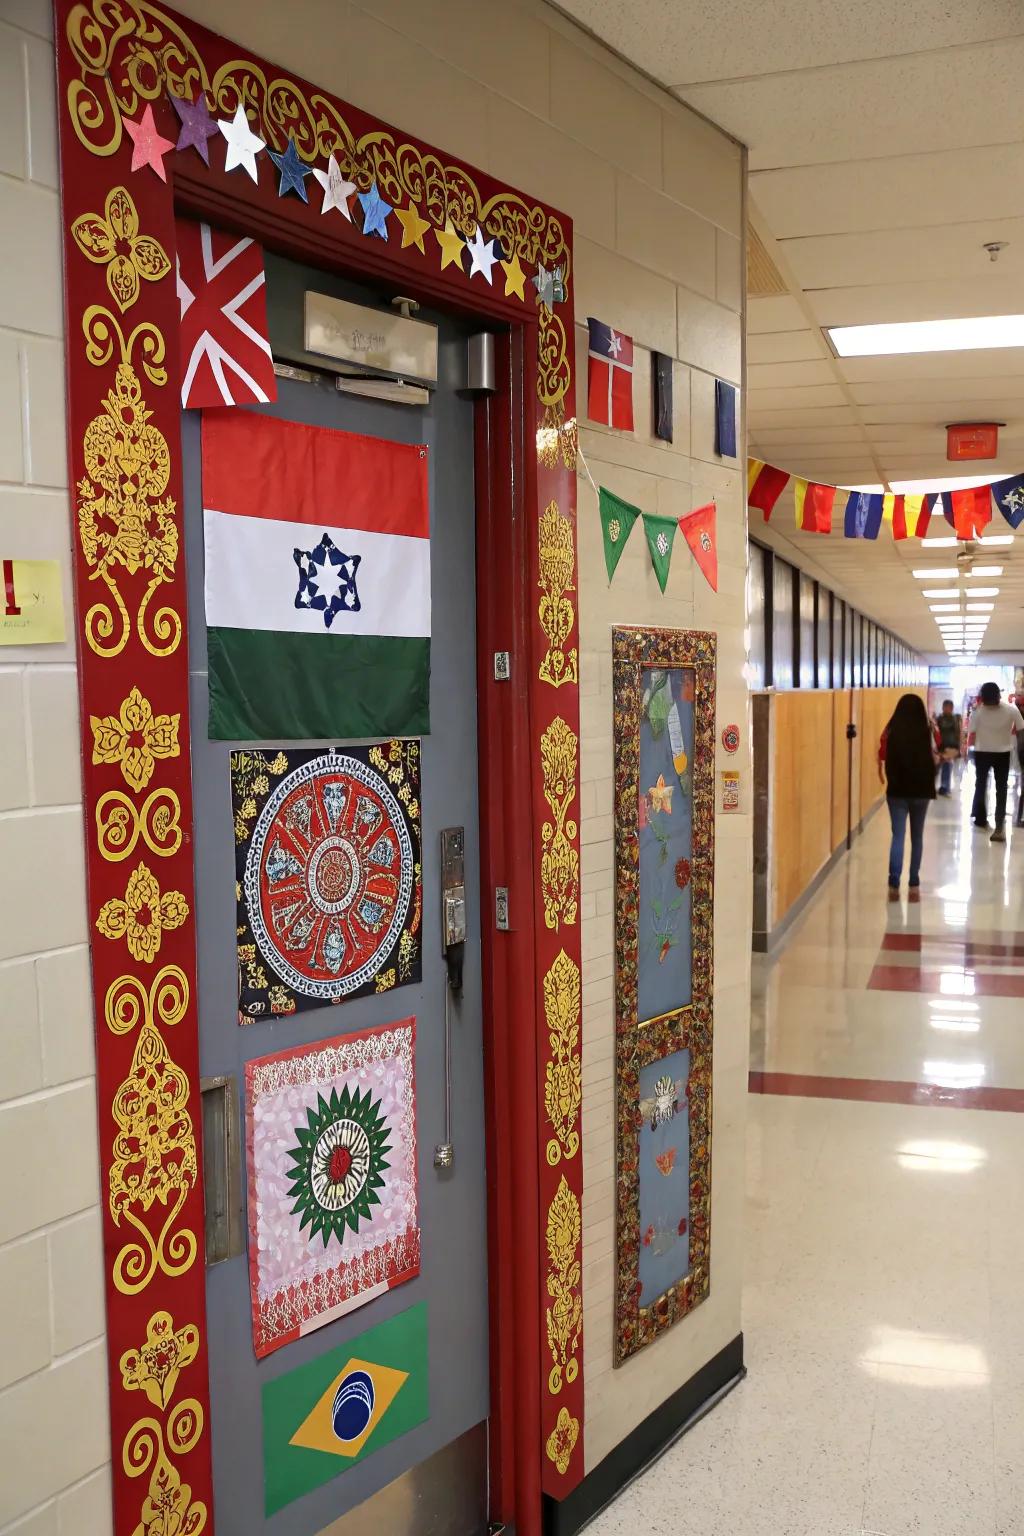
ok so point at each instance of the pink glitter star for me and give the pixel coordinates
(149, 148)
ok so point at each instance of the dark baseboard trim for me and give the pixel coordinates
(662, 1428)
(767, 943)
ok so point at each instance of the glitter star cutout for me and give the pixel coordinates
(515, 278)
(337, 190)
(482, 254)
(196, 125)
(413, 227)
(327, 580)
(452, 245)
(293, 172)
(149, 148)
(375, 213)
(242, 144)
(544, 282)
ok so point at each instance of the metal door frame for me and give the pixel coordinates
(115, 64)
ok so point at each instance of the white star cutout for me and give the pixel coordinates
(337, 190)
(243, 144)
(482, 254)
(615, 344)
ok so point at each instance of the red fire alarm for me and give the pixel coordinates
(972, 440)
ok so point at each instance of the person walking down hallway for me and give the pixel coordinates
(949, 726)
(907, 754)
(992, 728)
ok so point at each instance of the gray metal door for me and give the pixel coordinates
(443, 1491)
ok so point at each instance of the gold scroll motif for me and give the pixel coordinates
(129, 52)
(144, 913)
(101, 328)
(562, 1440)
(135, 739)
(128, 1000)
(564, 1317)
(113, 240)
(120, 824)
(124, 520)
(154, 1162)
(155, 1366)
(557, 438)
(556, 556)
(560, 861)
(563, 1082)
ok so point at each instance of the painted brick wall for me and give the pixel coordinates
(656, 196)
(53, 1430)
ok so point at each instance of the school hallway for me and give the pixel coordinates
(884, 1332)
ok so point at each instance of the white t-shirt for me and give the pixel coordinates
(993, 726)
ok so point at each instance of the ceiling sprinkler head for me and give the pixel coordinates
(994, 247)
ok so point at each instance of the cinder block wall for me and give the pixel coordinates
(656, 195)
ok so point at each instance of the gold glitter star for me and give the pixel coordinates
(515, 278)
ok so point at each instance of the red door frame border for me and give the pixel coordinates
(121, 315)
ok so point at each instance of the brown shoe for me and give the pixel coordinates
(914, 894)
(894, 893)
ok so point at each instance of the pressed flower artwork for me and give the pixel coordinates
(666, 840)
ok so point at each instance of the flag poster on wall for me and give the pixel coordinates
(328, 875)
(317, 581)
(331, 1143)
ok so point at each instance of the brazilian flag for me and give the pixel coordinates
(322, 1418)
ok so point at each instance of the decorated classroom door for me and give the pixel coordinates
(331, 561)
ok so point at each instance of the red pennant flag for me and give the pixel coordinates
(813, 503)
(700, 531)
(765, 488)
(972, 511)
(225, 348)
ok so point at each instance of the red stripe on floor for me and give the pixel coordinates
(875, 1090)
(972, 949)
(911, 978)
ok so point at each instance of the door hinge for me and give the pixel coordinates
(502, 666)
(501, 908)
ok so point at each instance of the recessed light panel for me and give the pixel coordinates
(969, 334)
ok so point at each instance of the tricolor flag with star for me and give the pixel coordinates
(610, 376)
(317, 581)
(224, 343)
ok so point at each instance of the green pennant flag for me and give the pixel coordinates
(661, 532)
(617, 519)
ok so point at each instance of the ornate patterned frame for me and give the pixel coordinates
(116, 59)
(689, 1027)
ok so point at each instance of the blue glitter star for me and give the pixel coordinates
(327, 580)
(375, 213)
(293, 172)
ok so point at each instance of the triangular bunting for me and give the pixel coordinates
(617, 519)
(700, 531)
(1009, 498)
(661, 532)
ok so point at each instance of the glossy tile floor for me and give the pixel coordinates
(884, 1297)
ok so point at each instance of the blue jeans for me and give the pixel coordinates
(946, 776)
(899, 812)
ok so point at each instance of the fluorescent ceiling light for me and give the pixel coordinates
(985, 570)
(938, 573)
(941, 592)
(922, 487)
(969, 334)
(992, 539)
(979, 607)
(944, 607)
(982, 592)
(949, 543)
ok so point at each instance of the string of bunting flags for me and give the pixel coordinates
(817, 507)
(699, 529)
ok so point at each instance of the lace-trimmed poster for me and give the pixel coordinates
(331, 1157)
(328, 874)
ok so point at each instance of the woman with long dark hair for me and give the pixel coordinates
(908, 755)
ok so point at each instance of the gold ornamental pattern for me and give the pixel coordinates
(130, 52)
(153, 1368)
(556, 556)
(564, 1317)
(126, 525)
(560, 861)
(563, 1080)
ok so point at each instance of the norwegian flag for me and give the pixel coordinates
(610, 377)
(225, 350)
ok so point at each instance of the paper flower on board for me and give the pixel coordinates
(135, 739)
(142, 916)
(682, 873)
(114, 241)
(666, 1161)
(660, 795)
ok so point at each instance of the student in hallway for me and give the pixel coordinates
(906, 765)
(991, 733)
(949, 727)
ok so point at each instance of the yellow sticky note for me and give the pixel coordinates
(31, 603)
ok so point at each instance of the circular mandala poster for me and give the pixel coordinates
(329, 876)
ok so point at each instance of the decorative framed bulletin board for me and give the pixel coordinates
(664, 699)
